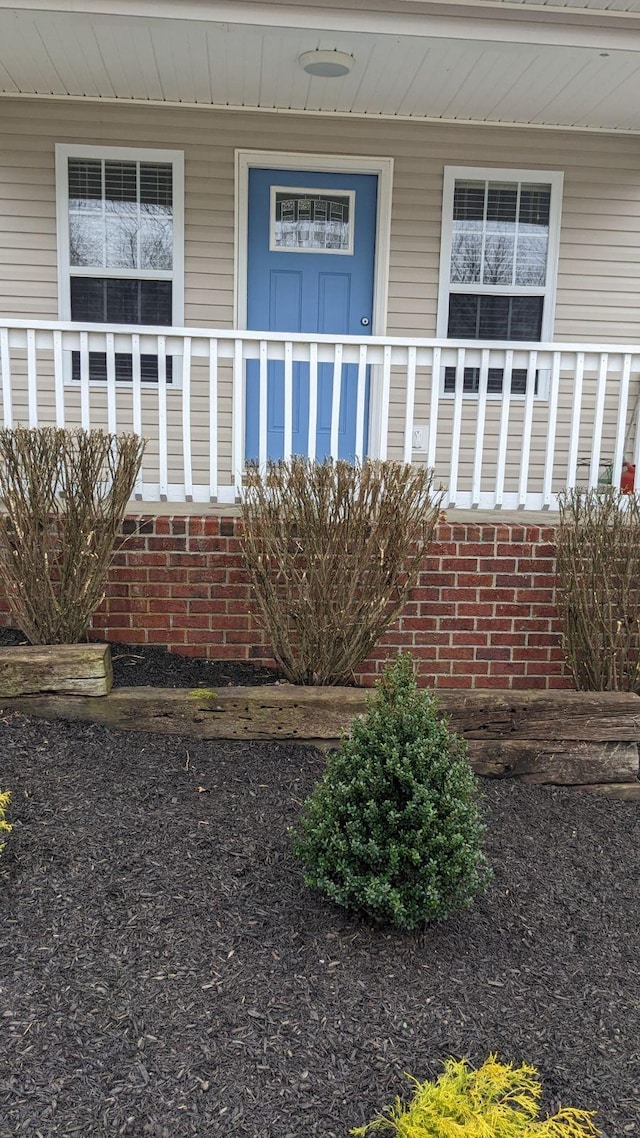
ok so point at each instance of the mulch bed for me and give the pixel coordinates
(151, 665)
(165, 973)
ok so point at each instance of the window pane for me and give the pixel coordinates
(86, 239)
(498, 259)
(468, 201)
(493, 323)
(156, 239)
(495, 317)
(535, 204)
(501, 203)
(105, 300)
(531, 260)
(121, 232)
(463, 316)
(85, 183)
(156, 184)
(323, 222)
(526, 318)
(120, 181)
(466, 255)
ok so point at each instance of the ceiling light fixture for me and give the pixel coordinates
(327, 64)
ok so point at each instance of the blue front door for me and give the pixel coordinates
(311, 251)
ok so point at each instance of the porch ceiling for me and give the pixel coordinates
(430, 75)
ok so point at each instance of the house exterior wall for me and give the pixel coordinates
(598, 289)
(483, 613)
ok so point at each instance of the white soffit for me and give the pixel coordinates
(573, 5)
(224, 64)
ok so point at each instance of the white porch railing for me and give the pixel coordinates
(540, 417)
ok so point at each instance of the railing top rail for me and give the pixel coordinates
(254, 336)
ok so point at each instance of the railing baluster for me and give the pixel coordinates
(435, 403)
(288, 400)
(576, 412)
(32, 378)
(263, 414)
(85, 402)
(476, 482)
(213, 420)
(410, 404)
(621, 424)
(527, 427)
(136, 401)
(313, 401)
(112, 425)
(456, 427)
(336, 392)
(598, 420)
(360, 401)
(385, 397)
(58, 378)
(5, 364)
(636, 445)
(552, 423)
(163, 458)
(503, 437)
(237, 418)
(186, 419)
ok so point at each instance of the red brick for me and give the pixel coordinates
(459, 595)
(522, 683)
(459, 564)
(199, 620)
(514, 549)
(477, 580)
(506, 668)
(510, 580)
(493, 653)
(448, 682)
(472, 638)
(475, 609)
(477, 549)
(497, 565)
(469, 667)
(495, 595)
(168, 605)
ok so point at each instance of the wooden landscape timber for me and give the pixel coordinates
(567, 738)
(63, 669)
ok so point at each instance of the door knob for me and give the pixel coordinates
(365, 321)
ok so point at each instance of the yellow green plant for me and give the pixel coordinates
(5, 827)
(497, 1100)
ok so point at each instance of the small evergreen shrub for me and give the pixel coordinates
(5, 827)
(393, 828)
(495, 1101)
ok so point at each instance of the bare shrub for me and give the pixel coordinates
(63, 495)
(333, 551)
(598, 552)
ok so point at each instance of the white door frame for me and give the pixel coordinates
(332, 163)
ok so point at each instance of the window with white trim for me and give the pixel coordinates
(120, 241)
(499, 256)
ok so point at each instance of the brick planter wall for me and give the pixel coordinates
(481, 616)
